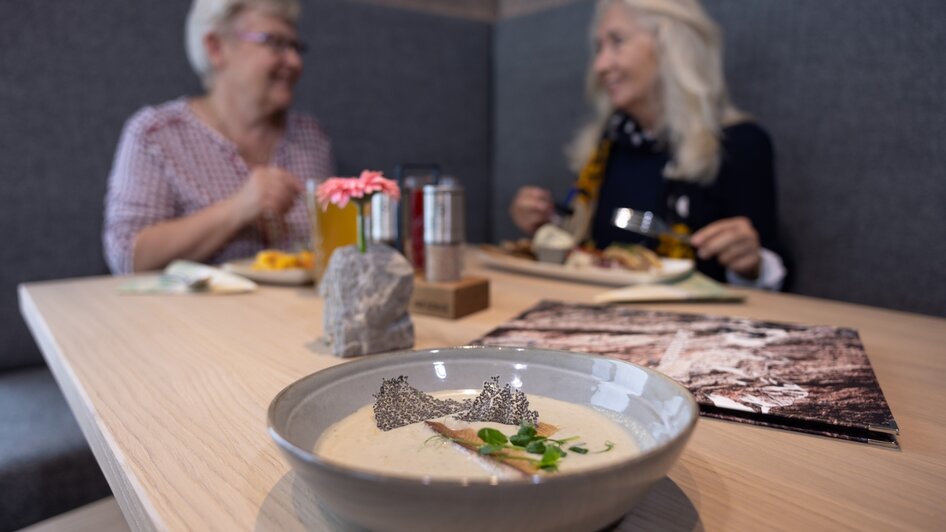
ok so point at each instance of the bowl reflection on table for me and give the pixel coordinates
(660, 414)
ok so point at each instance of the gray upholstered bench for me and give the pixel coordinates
(46, 466)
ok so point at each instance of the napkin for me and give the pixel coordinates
(693, 287)
(173, 281)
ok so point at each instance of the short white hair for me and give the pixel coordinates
(208, 16)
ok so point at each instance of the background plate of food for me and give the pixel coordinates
(614, 266)
(275, 267)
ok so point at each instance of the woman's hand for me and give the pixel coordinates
(734, 243)
(531, 208)
(268, 190)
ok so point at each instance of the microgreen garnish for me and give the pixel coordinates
(551, 451)
(527, 430)
(536, 447)
(538, 452)
(550, 458)
(566, 440)
(522, 438)
(492, 436)
(608, 445)
(490, 449)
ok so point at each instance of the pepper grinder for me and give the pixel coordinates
(443, 231)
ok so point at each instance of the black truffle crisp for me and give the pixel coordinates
(398, 403)
(500, 405)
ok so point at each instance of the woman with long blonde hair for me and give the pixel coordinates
(666, 138)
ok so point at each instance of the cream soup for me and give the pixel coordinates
(416, 450)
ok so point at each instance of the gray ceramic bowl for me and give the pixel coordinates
(657, 410)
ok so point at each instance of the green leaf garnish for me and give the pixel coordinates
(520, 440)
(536, 447)
(566, 440)
(492, 436)
(495, 444)
(552, 454)
(551, 458)
(490, 449)
(526, 430)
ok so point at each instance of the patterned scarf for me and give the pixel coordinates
(620, 129)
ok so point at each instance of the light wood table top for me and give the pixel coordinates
(172, 394)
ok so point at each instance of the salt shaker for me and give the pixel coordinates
(443, 231)
(383, 219)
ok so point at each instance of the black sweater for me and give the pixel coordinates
(744, 186)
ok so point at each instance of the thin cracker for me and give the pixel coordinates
(515, 458)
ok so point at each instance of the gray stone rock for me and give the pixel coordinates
(366, 301)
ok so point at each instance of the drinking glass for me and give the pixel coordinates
(331, 228)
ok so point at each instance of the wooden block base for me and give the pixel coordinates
(450, 300)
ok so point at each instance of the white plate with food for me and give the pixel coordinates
(382, 447)
(274, 267)
(584, 271)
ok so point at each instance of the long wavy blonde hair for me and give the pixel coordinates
(693, 96)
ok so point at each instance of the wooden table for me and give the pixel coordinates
(172, 393)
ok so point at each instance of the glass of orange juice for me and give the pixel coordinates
(331, 228)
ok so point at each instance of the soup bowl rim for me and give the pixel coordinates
(589, 475)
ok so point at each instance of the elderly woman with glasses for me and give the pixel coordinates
(219, 176)
(667, 139)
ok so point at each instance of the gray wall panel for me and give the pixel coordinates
(853, 94)
(539, 65)
(70, 75)
(403, 86)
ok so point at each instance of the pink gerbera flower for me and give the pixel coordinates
(374, 181)
(339, 191)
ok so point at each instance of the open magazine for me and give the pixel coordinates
(807, 378)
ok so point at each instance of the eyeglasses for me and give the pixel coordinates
(277, 43)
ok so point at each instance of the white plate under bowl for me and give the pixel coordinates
(660, 414)
(290, 276)
(493, 257)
